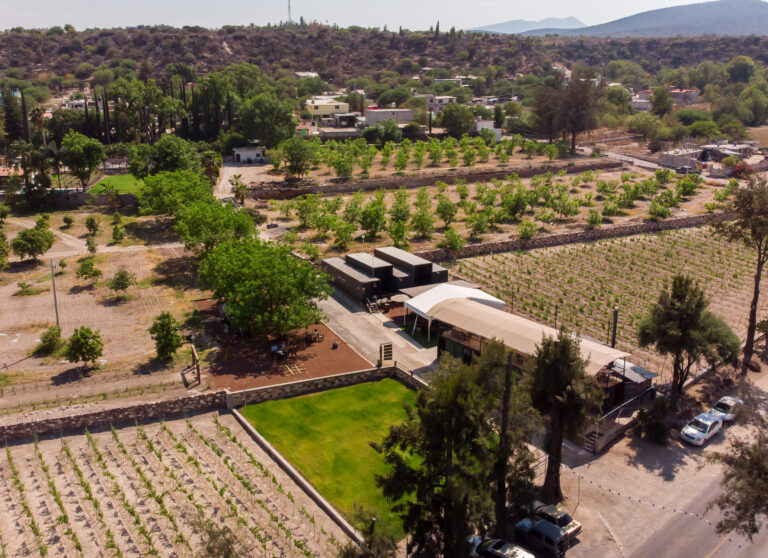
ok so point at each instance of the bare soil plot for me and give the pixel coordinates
(578, 286)
(128, 350)
(137, 491)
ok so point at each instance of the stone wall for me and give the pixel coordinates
(123, 415)
(73, 200)
(547, 241)
(281, 192)
(315, 385)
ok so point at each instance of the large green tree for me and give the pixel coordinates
(267, 119)
(299, 154)
(438, 463)
(167, 192)
(33, 242)
(172, 153)
(267, 290)
(679, 324)
(578, 106)
(457, 119)
(83, 156)
(750, 227)
(561, 388)
(203, 225)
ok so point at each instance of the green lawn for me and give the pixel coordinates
(326, 435)
(123, 183)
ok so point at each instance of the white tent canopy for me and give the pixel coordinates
(422, 304)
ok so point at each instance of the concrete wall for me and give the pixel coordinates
(547, 241)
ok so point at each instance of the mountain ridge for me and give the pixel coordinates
(736, 18)
(517, 26)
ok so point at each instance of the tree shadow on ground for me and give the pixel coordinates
(116, 300)
(78, 289)
(177, 272)
(155, 231)
(70, 376)
(25, 265)
(151, 366)
(664, 460)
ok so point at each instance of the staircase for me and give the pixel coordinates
(373, 306)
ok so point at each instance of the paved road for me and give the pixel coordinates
(683, 536)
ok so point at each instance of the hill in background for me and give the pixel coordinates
(723, 17)
(523, 25)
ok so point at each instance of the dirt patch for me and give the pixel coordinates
(246, 363)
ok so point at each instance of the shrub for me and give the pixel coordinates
(452, 241)
(594, 219)
(653, 423)
(68, 221)
(526, 229)
(50, 341)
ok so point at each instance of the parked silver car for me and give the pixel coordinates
(701, 429)
(726, 408)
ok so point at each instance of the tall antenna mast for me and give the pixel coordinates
(290, 19)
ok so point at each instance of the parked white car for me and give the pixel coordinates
(701, 429)
(726, 408)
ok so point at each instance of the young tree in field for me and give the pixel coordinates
(118, 234)
(400, 210)
(85, 345)
(750, 227)
(122, 281)
(83, 156)
(354, 208)
(423, 222)
(398, 232)
(32, 242)
(268, 292)
(239, 188)
(452, 240)
(561, 388)
(165, 333)
(373, 217)
(435, 152)
(343, 234)
(92, 224)
(445, 485)
(446, 209)
(679, 324)
(90, 244)
(86, 270)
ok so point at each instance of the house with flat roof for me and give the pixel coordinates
(325, 108)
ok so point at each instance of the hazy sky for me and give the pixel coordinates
(411, 14)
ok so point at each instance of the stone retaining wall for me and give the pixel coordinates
(417, 181)
(548, 241)
(124, 415)
(313, 385)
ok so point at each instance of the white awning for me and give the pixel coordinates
(423, 303)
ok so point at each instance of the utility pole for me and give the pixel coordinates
(290, 19)
(55, 300)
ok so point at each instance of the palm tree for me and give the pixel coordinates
(57, 155)
(37, 116)
(239, 189)
(23, 150)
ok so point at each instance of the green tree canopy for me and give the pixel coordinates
(33, 242)
(680, 325)
(204, 224)
(560, 387)
(457, 119)
(267, 119)
(83, 156)
(299, 155)
(266, 289)
(165, 333)
(85, 345)
(172, 153)
(166, 192)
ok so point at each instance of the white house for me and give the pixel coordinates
(251, 154)
(488, 125)
(325, 108)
